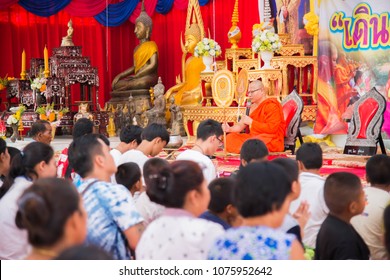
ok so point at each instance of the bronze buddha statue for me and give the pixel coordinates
(139, 78)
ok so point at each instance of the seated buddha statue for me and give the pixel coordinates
(189, 91)
(67, 40)
(139, 78)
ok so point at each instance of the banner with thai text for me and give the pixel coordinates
(353, 57)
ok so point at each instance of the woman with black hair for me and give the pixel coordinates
(53, 214)
(178, 233)
(35, 161)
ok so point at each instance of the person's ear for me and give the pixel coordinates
(99, 160)
(354, 208)
(300, 165)
(244, 162)
(296, 189)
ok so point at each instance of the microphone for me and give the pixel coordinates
(248, 107)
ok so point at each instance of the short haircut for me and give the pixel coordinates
(221, 191)
(170, 184)
(340, 189)
(310, 154)
(13, 152)
(262, 187)
(44, 208)
(130, 133)
(290, 166)
(3, 145)
(378, 170)
(386, 218)
(155, 130)
(81, 127)
(84, 252)
(40, 126)
(209, 128)
(128, 174)
(253, 149)
(82, 152)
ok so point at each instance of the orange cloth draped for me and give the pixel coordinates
(194, 66)
(268, 125)
(342, 76)
(328, 120)
(143, 53)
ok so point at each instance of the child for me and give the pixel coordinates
(294, 223)
(309, 157)
(221, 209)
(337, 239)
(369, 224)
(129, 175)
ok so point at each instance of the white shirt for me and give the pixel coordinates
(134, 156)
(177, 235)
(116, 155)
(209, 170)
(370, 223)
(13, 241)
(148, 209)
(312, 190)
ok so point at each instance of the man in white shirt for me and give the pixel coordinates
(130, 138)
(309, 157)
(154, 138)
(209, 139)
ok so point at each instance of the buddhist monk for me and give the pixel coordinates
(265, 121)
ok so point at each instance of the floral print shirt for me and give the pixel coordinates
(252, 243)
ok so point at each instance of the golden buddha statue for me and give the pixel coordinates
(138, 79)
(189, 91)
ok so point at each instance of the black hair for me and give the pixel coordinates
(23, 163)
(310, 154)
(152, 169)
(290, 166)
(378, 170)
(128, 174)
(155, 130)
(262, 187)
(168, 185)
(44, 208)
(13, 152)
(82, 151)
(84, 252)
(340, 189)
(130, 133)
(81, 127)
(386, 220)
(221, 191)
(208, 128)
(253, 149)
(40, 126)
(3, 145)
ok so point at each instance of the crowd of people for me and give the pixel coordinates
(126, 202)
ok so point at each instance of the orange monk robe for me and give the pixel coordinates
(143, 53)
(342, 77)
(268, 125)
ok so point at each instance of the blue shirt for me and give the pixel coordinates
(252, 243)
(111, 211)
(214, 218)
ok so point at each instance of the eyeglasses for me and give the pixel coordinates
(252, 91)
(220, 141)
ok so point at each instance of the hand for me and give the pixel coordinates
(116, 79)
(302, 214)
(225, 127)
(246, 120)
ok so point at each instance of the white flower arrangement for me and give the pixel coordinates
(39, 84)
(12, 120)
(207, 47)
(266, 40)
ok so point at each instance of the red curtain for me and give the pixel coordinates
(111, 49)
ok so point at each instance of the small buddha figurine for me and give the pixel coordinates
(157, 113)
(143, 74)
(67, 40)
(83, 113)
(176, 125)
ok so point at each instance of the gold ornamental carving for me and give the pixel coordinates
(290, 50)
(223, 85)
(229, 114)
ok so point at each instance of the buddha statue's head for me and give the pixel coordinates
(159, 88)
(143, 24)
(192, 37)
